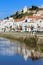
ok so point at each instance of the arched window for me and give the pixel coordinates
(26, 20)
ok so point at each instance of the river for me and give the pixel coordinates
(15, 53)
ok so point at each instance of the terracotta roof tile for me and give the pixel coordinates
(31, 16)
(20, 19)
(23, 18)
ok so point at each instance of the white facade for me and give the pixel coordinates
(25, 24)
(25, 9)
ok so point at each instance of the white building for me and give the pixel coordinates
(25, 9)
(26, 23)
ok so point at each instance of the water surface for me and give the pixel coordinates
(12, 53)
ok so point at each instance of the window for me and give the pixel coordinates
(26, 20)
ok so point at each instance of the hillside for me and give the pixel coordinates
(25, 12)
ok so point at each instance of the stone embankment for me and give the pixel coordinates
(30, 39)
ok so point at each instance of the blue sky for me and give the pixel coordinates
(8, 7)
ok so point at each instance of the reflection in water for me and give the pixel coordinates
(10, 48)
(14, 54)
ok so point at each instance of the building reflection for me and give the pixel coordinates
(9, 48)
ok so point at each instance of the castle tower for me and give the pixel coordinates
(25, 9)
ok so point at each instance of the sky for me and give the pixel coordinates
(9, 7)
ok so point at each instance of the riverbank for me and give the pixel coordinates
(33, 40)
(29, 39)
(24, 37)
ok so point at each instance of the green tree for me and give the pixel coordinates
(16, 13)
(34, 7)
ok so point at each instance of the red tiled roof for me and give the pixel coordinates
(20, 19)
(38, 18)
(32, 17)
